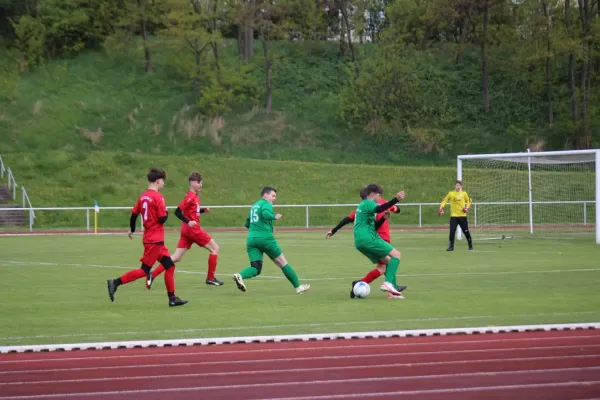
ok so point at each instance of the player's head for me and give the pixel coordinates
(374, 191)
(458, 185)
(269, 194)
(157, 176)
(363, 193)
(195, 180)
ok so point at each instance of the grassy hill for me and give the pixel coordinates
(60, 179)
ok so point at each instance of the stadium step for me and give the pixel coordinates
(5, 194)
(12, 218)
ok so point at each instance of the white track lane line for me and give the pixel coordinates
(302, 383)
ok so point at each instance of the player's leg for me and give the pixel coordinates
(204, 240)
(255, 255)
(169, 267)
(183, 245)
(371, 276)
(151, 253)
(453, 225)
(274, 252)
(464, 226)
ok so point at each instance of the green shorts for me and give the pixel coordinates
(375, 250)
(255, 247)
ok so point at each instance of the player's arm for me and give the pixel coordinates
(382, 207)
(269, 215)
(179, 214)
(247, 224)
(443, 203)
(345, 221)
(135, 211)
(379, 222)
(204, 210)
(468, 203)
(163, 214)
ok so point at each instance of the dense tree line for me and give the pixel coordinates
(550, 47)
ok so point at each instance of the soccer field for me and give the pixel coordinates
(55, 288)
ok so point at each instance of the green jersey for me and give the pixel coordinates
(364, 222)
(260, 220)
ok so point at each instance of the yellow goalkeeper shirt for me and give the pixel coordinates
(458, 201)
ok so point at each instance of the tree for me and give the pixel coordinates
(30, 34)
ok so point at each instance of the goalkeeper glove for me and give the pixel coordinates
(440, 211)
(465, 209)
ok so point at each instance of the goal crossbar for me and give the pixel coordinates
(548, 158)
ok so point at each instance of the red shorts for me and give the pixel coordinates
(154, 253)
(190, 236)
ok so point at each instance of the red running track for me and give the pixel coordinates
(532, 365)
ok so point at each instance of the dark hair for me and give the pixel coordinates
(363, 193)
(155, 174)
(459, 182)
(195, 176)
(267, 190)
(373, 188)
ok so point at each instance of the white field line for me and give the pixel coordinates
(283, 326)
(321, 382)
(454, 343)
(145, 376)
(76, 265)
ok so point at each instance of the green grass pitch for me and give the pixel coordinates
(54, 288)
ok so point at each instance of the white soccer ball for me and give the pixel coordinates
(361, 290)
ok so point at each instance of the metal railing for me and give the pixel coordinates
(12, 186)
(585, 209)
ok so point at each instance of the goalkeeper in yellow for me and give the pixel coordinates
(460, 202)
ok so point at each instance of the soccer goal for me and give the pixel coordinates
(541, 194)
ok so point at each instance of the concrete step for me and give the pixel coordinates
(5, 194)
(13, 217)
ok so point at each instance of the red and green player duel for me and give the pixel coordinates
(370, 243)
(261, 240)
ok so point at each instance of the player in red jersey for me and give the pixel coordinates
(188, 212)
(382, 227)
(151, 205)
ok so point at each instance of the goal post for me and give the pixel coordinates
(540, 194)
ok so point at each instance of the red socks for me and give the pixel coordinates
(371, 276)
(157, 271)
(132, 275)
(212, 266)
(170, 279)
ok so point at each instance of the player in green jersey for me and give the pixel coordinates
(370, 244)
(261, 240)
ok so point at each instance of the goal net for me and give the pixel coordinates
(545, 194)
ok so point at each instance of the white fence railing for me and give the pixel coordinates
(88, 211)
(12, 186)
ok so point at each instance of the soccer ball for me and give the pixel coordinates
(361, 290)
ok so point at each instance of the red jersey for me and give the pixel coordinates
(384, 229)
(151, 205)
(190, 207)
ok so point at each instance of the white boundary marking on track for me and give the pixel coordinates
(301, 337)
(288, 349)
(262, 371)
(315, 325)
(302, 383)
(263, 277)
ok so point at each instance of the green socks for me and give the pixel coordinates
(291, 276)
(248, 272)
(288, 271)
(391, 269)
